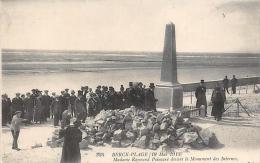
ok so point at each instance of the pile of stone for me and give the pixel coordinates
(146, 130)
(131, 127)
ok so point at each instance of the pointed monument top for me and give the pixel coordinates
(169, 63)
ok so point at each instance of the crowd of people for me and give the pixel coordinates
(37, 107)
(218, 96)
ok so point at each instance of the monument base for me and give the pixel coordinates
(169, 95)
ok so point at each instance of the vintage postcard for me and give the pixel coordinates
(137, 81)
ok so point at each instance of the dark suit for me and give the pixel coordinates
(201, 97)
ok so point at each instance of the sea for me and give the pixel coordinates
(23, 70)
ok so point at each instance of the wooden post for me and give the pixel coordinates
(239, 89)
(254, 88)
(246, 88)
(237, 108)
(191, 97)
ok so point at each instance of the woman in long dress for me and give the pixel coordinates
(218, 99)
(70, 150)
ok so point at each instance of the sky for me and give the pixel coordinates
(131, 25)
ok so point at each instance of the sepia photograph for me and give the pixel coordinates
(119, 81)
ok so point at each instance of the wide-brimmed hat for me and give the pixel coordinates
(80, 92)
(66, 89)
(99, 86)
(72, 91)
(18, 112)
(151, 85)
(17, 93)
(77, 123)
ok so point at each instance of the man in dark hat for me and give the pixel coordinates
(63, 103)
(150, 100)
(56, 108)
(111, 98)
(67, 97)
(17, 104)
(104, 98)
(226, 84)
(46, 103)
(200, 94)
(72, 102)
(53, 96)
(6, 109)
(234, 84)
(28, 106)
(140, 92)
(121, 98)
(131, 95)
(98, 89)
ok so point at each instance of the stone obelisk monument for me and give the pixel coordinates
(169, 92)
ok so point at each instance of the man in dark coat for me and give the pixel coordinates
(28, 106)
(70, 150)
(111, 98)
(53, 97)
(72, 102)
(105, 98)
(98, 89)
(140, 93)
(150, 100)
(63, 102)
(46, 103)
(121, 97)
(98, 103)
(56, 108)
(80, 107)
(131, 95)
(17, 104)
(200, 94)
(6, 109)
(226, 84)
(234, 84)
(218, 98)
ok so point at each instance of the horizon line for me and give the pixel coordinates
(116, 51)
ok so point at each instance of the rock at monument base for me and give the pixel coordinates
(141, 142)
(115, 143)
(164, 126)
(144, 131)
(205, 135)
(154, 144)
(180, 131)
(130, 135)
(198, 144)
(179, 143)
(126, 143)
(190, 137)
(83, 144)
(118, 135)
(213, 141)
(100, 143)
(156, 128)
